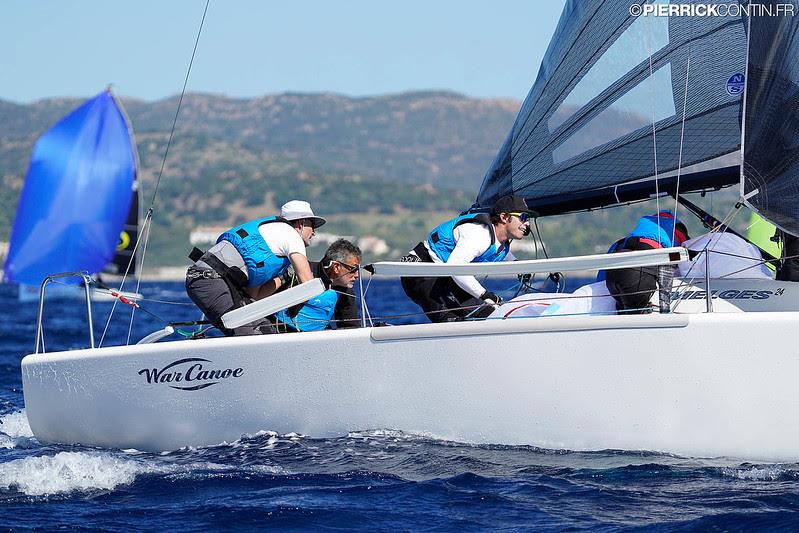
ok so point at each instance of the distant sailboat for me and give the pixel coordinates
(80, 191)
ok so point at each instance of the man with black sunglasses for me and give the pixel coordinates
(338, 270)
(469, 238)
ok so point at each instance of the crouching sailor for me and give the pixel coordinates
(247, 262)
(470, 238)
(335, 307)
(632, 288)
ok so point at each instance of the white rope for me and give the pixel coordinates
(654, 130)
(149, 216)
(682, 136)
(145, 227)
(725, 222)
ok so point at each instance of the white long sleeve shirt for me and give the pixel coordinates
(471, 241)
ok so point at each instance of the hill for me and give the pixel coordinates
(230, 159)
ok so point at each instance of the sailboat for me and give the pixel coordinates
(624, 108)
(78, 210)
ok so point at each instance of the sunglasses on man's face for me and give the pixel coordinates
(524, 217)
(349, 268)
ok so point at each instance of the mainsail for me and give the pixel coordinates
(620, 100)
(77, 194)
(770, 178)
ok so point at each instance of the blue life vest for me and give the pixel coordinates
(314, 315)
(442, 239)
(648, 228)
(261, 262)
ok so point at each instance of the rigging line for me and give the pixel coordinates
(762, 262)
(687, 279)
(722, 228)
(709, 220)
(743, 110)
(144, 229)
(177, 111)
(124, 278)
(149, 216)
(654, 129)
(166, 302)
(730, 274)
(682, 137)
(739, 256)
(148, 227)
(541, 239)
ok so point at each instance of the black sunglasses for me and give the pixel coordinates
(349, 268)
(524, 217)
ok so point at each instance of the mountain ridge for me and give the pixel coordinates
(388, 154)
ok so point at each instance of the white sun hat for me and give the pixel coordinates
(297, 210)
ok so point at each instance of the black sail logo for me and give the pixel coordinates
(189, 374)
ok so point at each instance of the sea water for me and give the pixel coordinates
(380, 480)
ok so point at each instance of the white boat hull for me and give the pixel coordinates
(720, 384)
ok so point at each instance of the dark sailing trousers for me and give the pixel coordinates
(789, 269)
(212, 295)
(632, 288)
(442, 299)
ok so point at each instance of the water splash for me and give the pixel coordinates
(14, 430)
(67, 472)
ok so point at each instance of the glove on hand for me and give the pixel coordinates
(491, 298)
(287, 277)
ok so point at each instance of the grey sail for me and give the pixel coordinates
(770, 180)
(619, 100)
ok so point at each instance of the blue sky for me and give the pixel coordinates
(250, 48)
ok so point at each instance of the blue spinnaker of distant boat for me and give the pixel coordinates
(76, 196)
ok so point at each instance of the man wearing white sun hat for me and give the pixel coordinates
(247, 262)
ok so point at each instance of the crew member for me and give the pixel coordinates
(632, 288)
(247, 262)
(788, 269)
(470, 238)
(335, 307)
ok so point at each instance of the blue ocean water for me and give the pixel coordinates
(376, 480)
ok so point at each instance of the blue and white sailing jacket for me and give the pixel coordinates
(442, 239)
(262, 263)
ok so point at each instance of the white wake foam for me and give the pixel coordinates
(13, 429)
(67, 472)
(755, 473)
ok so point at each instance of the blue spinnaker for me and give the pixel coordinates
(76, 196)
